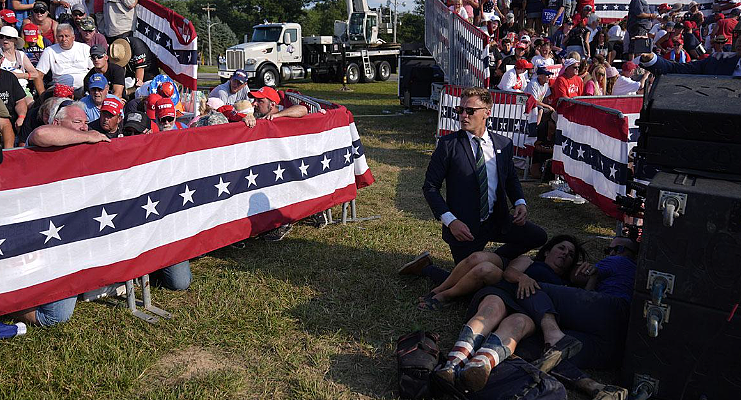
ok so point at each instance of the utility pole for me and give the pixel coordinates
(208, 10)
(396, 25)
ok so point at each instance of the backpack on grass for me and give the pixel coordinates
(417, 355)
(513, 379)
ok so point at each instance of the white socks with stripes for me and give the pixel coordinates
(476, 372)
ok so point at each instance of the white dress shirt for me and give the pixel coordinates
(492, 175)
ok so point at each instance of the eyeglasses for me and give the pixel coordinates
(167, 120)
(96, 57)
(78, 13)
(39, 11)
(468, 110)
(616, 249)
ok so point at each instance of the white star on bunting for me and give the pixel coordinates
(223, 187)
(580, 152)
(613, 170)
(187, 195)
(355, 150)
(304, 168)
(151, 207)
(105, 219)
(347, 156)
(52, 232)
(251, 178)
(1, 243)
(279, 173)
(325, 163)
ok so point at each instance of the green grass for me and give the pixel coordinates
(312, 317)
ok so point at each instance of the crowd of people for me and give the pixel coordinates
(530, 40)
(72, 72)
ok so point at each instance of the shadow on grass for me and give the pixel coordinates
(358, 296)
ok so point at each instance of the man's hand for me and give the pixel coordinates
(520, 215)
(95, 137)
(19, 120)
(270, 117)
(460, 231)
(249, 120)
(548, 107)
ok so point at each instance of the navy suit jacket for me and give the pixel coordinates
(453, 162)
(716, 64)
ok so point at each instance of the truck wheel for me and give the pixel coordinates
(365, 77)
(383, 70)
(352, 73)
(269, 76)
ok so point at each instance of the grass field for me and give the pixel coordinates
(314, 316)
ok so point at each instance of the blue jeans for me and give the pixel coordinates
(174, 277)
(56, 312)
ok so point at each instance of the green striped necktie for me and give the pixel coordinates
(483, 181)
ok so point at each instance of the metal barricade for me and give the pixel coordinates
(459, 48)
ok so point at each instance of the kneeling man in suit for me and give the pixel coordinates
(479, 175)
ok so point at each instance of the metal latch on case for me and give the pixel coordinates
(672, 204)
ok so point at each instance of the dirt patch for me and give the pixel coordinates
(187, 364)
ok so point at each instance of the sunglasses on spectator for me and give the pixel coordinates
(617, 249)
(468, 110)
(167, 120)
(39, 11)
(3, 37)
(78, 13)
(97, 57)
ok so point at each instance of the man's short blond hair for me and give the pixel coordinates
(481, 93)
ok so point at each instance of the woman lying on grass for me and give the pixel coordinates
(557, 258)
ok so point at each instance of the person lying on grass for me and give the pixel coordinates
(557, 258)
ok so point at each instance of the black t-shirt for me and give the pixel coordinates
(29, 124)
(10, 92)
(116, 76)
(690, 41)
(141, 57)
(576, 36)
(505, 29)
(95, 126)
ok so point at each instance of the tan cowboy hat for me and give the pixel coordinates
(120, 52)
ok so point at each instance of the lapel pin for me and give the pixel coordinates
(499, 151)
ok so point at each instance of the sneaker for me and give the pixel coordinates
(318, 220)
(115, 290)
(278, 233)
(416, 266)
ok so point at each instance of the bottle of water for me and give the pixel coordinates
(9, 331)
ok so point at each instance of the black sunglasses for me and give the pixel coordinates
(39, 11)
(468, 110)
(3, 37)
(617, 249)
(78, 13)
(96, 57)
(167, 119)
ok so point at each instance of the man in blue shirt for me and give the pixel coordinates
(98, 85)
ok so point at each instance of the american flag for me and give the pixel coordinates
(508, 115)
(592, 147)
(77, 218)
(172, 38)
(613, 10)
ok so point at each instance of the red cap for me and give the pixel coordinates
(61, 90)
(8, 16)
(719, 16)
(152, 100)
(112, 105)
(523, 64)
(629, 66)
(688, 24)
(166, 89)
(266, 92)
(165, 108)
(230, 113)
(664, 6)
(30, 32)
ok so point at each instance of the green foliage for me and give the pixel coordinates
(222, 37)
(319, 19)
(411, 28)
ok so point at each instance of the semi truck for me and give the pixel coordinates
(278, 52)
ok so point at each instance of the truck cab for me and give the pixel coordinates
(273, 54)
